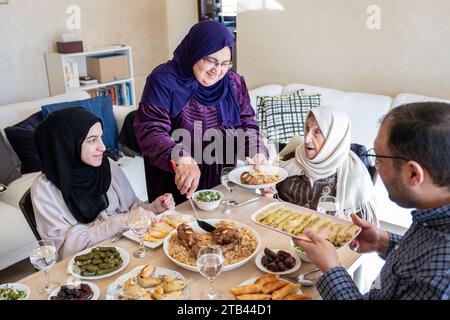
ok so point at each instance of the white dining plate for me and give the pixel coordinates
(123, 254)
(196, 228)
(235, 176)
(94, 288)
(259, 264)
(130, 235)
(116, 288)
(15, 287)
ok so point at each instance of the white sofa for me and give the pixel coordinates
(15, 234)
(365, 112)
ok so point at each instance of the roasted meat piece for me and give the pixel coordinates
(224, 235)
(186, 236)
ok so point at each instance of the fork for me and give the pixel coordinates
(301, 278)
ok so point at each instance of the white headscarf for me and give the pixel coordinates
(354, 186)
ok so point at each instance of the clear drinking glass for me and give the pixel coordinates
(210, 263)
(225, 181)
(328, 205)
(140, 222)
(43, 256)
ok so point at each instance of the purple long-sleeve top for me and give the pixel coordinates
(156, 134)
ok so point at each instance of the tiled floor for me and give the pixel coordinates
(16, 272)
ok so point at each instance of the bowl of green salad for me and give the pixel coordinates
(14, 291)
(207, 200)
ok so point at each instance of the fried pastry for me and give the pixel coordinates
(253, 296)
(251, 288)
(273, 286)
(285, 291)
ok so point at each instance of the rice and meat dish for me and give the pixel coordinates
(237, 243)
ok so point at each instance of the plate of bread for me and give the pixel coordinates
(148, 282)
(293, 220)
(168, 221)
(265, 176)
(268, 287)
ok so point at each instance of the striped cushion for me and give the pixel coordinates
(281, 117)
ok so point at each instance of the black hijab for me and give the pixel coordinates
(83, 187)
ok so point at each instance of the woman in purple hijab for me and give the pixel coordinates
(195, 110)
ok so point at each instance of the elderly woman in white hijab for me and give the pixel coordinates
(322, 164)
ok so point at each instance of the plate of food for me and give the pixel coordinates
(14, 291)
(148, 282)
(268, 287)
(293, 220)
(239, 243)
(83, 290)
(98, 262)
(168, 221)
(265, 176)
(277, 261)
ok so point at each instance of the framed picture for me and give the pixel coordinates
(3, 1)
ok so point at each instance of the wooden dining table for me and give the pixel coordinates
(232, 278)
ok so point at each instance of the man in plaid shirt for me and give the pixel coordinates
(412, 154)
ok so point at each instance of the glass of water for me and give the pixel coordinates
(210, 263)
(140, 222)
(225, 181)
(43, 256)
(328, 205)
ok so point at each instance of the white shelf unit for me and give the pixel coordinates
(58, 79)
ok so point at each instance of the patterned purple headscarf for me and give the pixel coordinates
(173, 84)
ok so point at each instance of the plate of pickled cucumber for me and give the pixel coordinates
(98, 262)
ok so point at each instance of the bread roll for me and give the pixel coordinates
(287, 290)
(251, 288)
(170, 285)
(254, 296)
(147, 271)
(147, 282)
(274, 285)
(266, 279)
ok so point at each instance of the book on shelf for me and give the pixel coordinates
(121, 94)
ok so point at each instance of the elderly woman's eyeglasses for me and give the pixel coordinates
(214, 63)
(373, 157)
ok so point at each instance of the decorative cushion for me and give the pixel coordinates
(9, 166)
(21, 138)
(281, 117)
(101, 107)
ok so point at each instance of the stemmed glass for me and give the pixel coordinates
(227, 184)
(43, 256)
(140, 222)
(210, 263)
(358, 209)
(328, 205)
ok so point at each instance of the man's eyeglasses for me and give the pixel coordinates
(373, 157)
(213, 62)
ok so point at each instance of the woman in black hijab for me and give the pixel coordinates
(82, 197)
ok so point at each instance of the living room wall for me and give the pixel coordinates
(28, 29)
(337, 43)
(182, 16)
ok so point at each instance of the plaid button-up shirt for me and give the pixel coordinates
(417, 265)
